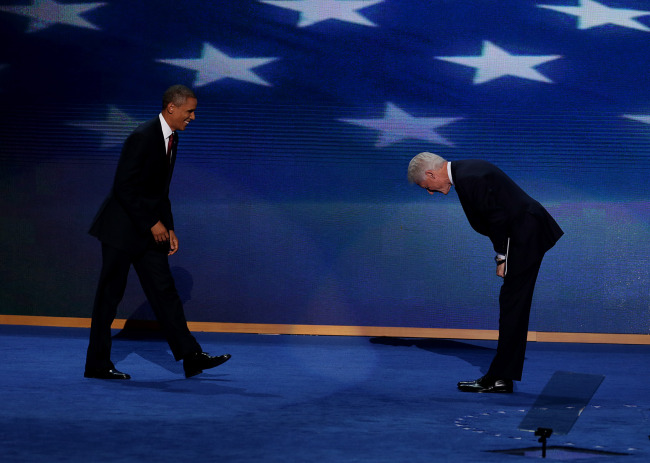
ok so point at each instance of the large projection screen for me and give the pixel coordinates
(290, 196)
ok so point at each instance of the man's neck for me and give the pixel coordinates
(165, 125)
(448, 171)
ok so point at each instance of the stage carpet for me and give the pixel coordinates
(306, 399)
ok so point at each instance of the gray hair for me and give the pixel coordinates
(177, 94)
(421, 163)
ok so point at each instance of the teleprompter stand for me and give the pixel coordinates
(544, 434)
(560, 404)
(555, 411)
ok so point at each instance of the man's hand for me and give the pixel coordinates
(501, 270)
(173, 243)
(160, 233)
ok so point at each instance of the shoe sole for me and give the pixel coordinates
(119, 378)
(485, 391)
(198, 372)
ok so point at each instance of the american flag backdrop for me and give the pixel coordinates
(290, 195)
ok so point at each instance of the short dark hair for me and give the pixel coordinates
(177, 94)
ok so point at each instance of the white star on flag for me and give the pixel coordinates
(591, 14)
(495, 62)
(114, 128)
(314, 11)
(638, 117)
(214, 65)
(46, 13)
(397, 125)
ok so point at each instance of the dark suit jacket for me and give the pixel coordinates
(499, 209)
(140, 194)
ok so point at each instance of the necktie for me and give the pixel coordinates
(170, 142)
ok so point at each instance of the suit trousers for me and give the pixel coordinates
(152, 268)
(515, 300)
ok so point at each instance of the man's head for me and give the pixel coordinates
(429, 171)
(179, 106)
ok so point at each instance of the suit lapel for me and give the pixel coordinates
(163, 149)
(174, 150)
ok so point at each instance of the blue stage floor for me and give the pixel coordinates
(305, 399)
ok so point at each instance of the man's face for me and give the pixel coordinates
(180, 116)
(434, 181)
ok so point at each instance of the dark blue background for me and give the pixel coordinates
(288, 214)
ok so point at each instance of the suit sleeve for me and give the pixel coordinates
(167, 217)
(129, 183)
(495, 217)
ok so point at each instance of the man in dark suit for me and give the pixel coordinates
(136, 227)
(521, 231)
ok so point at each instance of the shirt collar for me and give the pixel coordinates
(167, 131)
(449, 172)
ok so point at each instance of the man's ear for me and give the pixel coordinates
(430, 173)
(170, 108)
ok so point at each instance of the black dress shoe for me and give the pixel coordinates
(199, 361)
(105, 374)
(486, 384)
